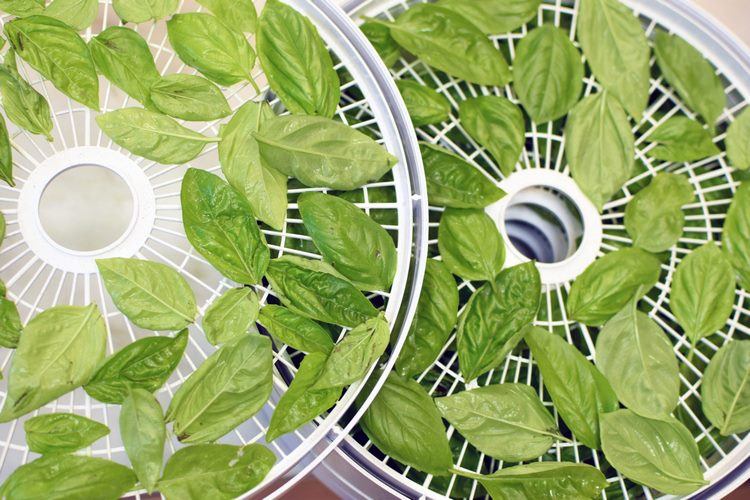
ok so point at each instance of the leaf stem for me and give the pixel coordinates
(465, 473)
(253, 83)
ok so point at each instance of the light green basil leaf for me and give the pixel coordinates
(143, 435)
(725, 389)
(505, 421)
(56, 51)
(545, 479)
(470, 244)
(78, 14)
(23, 105)
(145, 364)
(497, 125)
(380, 38)
(10, 322)
(62, 433)
(231, 315)
(59, 350)
(140, 11)
(738, 145)
(215, 471)
(404, 423)
(681, 139)
(153, 296)
(240, 15)
(425, 105)
(6, 155)
(189, 97)
(547, 73)
(660, 454)
(322, 153)
(494, 16)
(617, 51)
(22, 8)
(736, 234)
(294, 330)
(494, 319)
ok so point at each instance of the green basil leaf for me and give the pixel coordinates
(680, 139)
(354, 244)
(545, 480)
(189, 97)
(22, 8)
(617, 51)
(599, 147)
(470, 244)
(204, 43)
(497, 125)
(736, 234)
(78, 14)
(654, 217)
(607, 285)
(294, 330)
(23, 105)
(738, 147)
(239, 15)
(505, 421)
(494, 16)
(6, 155)
(296, 61)
(322, 153)
(380, 38)
(59, 350)
(10, 323)
(231, 315)
(231, 386)
(123, 57)
(56, 51)
(152, 295)
(579, 391)
(301, 403)
(145, 364)
(404, 423)
(547, 73)
(425, 105)
(495, 317)
(140, 11)
(215, 471)
(435, 318)
(693, 77)
(725, 389)
(220, 225)
(62, 433)
(660, 454)
(143, 435)
(453, 182)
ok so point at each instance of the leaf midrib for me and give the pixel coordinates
(150, 294)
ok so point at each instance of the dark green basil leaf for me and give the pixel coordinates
(231, 315)
(497, 125)
(494, 16)
(56, 51)
(505, 421)
(189, 97)
(494, 319)
(143, 435)
(78, 14)
(681, 139)
(215, 471)
(545, 480)
(725, 389)
(738, 147)
(59, 350)
(220, 225)
(62, 433)
(22, 8)
(380, 38)
(6, 155)
(240, 15)
(145, 364)
(579, 391)
(231, 386)
(294, 330)
(617, 51)
(23, 105)
(660, 454)
(140, 11)
(425, 105)
(470, 244)
(153, 296)
(736, 234)
(322, 153)
(453, 182)
(607, 285)
(547, 73)
(403, 423)
(10, 321)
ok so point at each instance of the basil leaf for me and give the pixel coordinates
(296, 61)
(231, 386)
(493, 16)
(239, 15)
(380, 37)
(143, 435)
(231, 315)
(23, 105)
(59, 350)
(216, 471)
(680, 139)
(654, 218)
(691, 75)
(140, 11)
(298, 332)
(547, 73)
(10, 321)
(152, 295)
(69, 476)
(123, 57)
(354, 244)
(545, 479)
(78, 14)
(322, 153)
(578, 390)
(505, 421)
(6, 155)
(436, 316)
(425, 105)
(494, 319)
(607, 285)
(22, 8)
(599, 147)
(453, 182)
(738, 147)
(220, 225)
(301, 403)
(62, 433)
(56, 51)
(204, 43)
(497, 125)
(617, 51)
(189, 97)
(736, 233)
(725, 389)
(660, 454)
(470, 244)
(145, 364)
(403, 423)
